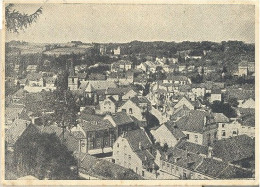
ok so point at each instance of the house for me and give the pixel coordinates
(95, 137)
(50, 83)
(191, 161)
(122, 122)
(169, 134)
(133, 150)
(137, 107)
(184, 102)
(215, 95)
(121, 65)
(18, 129)
(247, 126)
(109, 105)
(92, 168)
(73, 81)
(94, 88)
(244, 68)
(116, 51)
(226, 128)
(238, 150)
(198, 126)
(96, 77)
(120, 93)
(122, 78)
(34, 79)
(31, 68)
(175, 79)
(18, 95)
(241, 95)
(11, 114)
(248, 103)
(198, 90)
(182, 68)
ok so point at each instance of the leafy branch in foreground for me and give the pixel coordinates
(15, 21)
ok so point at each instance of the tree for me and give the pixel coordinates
(44, 156)
(233, 101)
(165, 147)
(225, 108)
(15, 21)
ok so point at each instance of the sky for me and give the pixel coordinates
(60, 23)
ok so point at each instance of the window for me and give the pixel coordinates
(215, 134)
(72, 80)
(223, 133)
(196, 138)
(234, 132)
(123, 110)
(130, 111)
(223, 125)
(129, 157)
(143, 173)
(117, 144)
(188, 136)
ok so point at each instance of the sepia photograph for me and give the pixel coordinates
(130, 92)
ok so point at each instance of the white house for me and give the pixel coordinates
(133, 150)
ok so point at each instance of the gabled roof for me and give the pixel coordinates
(135, 137)
(121, 118)
(33, 76)
(20, 93)
(192, 147)
(16, 129)
(117, 91)
(176, 132)
(234, 149)
(138, 100)
(220, 118)
(193, 122)
(96, 125)
(173, 77)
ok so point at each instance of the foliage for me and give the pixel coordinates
(15, 21)
(165, 147)
(225, 108)
(233, 101)
(65, 108)
(197, 79)
(44, 156)
(152, 121)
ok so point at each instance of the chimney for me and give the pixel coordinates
(209, 152)
(140, 145)
(33, 120)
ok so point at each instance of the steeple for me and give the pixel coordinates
(71, 70)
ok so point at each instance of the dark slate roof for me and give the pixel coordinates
(232, 172)
(211, 167)
(118, 91)
(176, 132)
(248, 120)
(182, 158)
(16, 130)
(192, 147)
(90, 117)
(193, 122)
(121, 118)
(135, 137)
(98, 167)
(234, 149)
(96, 125)
(139, 100)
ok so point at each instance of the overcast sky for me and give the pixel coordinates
(125, 23)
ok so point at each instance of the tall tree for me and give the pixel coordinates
(15, 20)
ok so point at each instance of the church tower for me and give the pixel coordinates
(72, 79)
